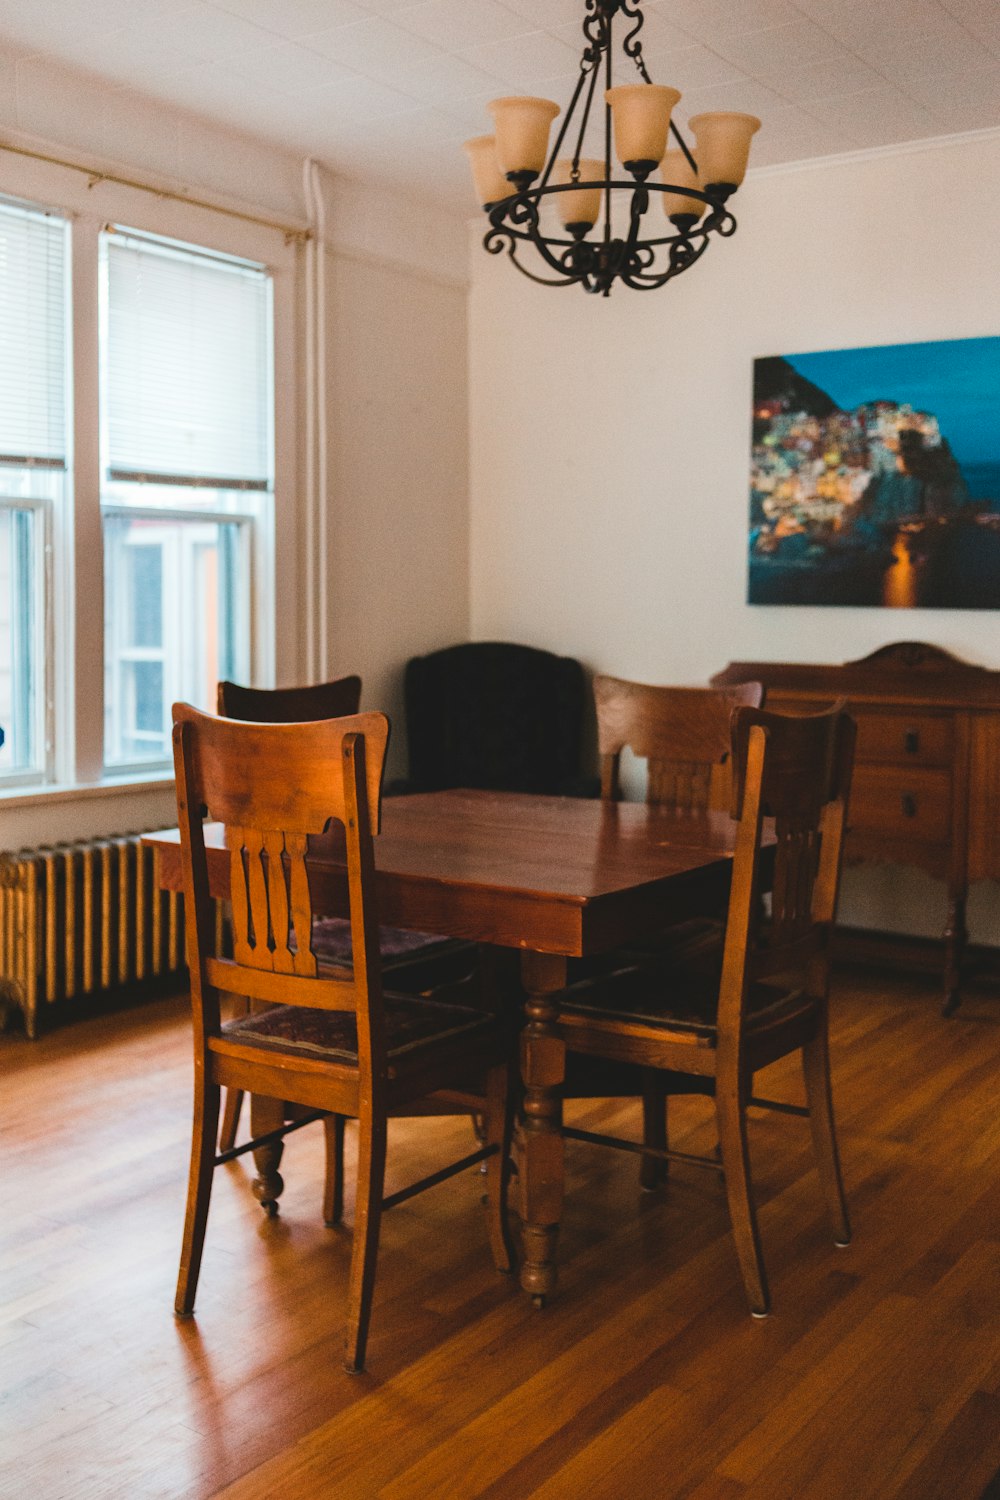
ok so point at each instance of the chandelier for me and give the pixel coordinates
(514, 180)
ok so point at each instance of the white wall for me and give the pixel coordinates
(399, 524)
(610, 438)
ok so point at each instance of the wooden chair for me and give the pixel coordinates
(338, 1046)
(415, 960)
(718, 1024)
(682, 733)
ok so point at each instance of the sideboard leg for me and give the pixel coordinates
(540, 1142)
(956, 937)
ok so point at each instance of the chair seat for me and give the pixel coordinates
(678, 995)
(680, 941)
(332, 942)
(409, 1024)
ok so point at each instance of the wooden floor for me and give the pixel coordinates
(878, 1374)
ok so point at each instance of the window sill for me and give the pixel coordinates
(110, 786)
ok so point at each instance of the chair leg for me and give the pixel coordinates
(333, 1194)
(499, 1131)
(730, 1113)
(204, 1127)
(367, 1220)
(653, 1170)
(230, 1119)
(816, 1071)
(234, 1097)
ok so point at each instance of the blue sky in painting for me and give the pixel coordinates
(956, 379)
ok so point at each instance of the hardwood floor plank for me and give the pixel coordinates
(878, 1373)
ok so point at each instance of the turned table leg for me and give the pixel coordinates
(540, 1142)
(267, 1115)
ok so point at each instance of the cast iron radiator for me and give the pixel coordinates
(78, 919)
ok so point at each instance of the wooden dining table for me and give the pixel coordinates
(554, 878)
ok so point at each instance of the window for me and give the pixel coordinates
(186, 463)
(33, 463)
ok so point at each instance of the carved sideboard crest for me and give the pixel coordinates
(915, 656)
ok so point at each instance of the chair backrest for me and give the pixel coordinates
(682, 733)
(272, 787)
(495, 716)
(293, 705)
(795, 769)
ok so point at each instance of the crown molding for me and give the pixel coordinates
(878, 153)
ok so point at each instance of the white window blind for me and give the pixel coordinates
(32, 337)
(187, 374)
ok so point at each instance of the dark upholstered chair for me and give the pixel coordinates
(496, 716)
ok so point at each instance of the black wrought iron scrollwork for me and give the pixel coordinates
(640, 261)
(631, 43)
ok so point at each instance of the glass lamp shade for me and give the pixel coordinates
(522, 133)
(723, 146)
(641, 116)
(491, 184)
(584, 205)
(676, 172)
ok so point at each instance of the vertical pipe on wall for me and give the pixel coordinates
(317, 470)
(310, 432)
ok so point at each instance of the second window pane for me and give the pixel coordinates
(176, 621)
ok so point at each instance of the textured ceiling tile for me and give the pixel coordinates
(523, 60)
(746, 96)
(549, 12)
(711, 20)
(374, 46)
(690, 68)
(293, 18)
(456, 24)
(444, 79)
(821, 80)
(288, 67)
(960, 101)
(877, 116)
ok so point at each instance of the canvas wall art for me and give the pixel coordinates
(875, 477)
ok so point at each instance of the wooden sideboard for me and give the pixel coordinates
(926, 786)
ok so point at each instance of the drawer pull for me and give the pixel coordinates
(909, 805)
(912, 741)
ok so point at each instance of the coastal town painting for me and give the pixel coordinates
(875, 477)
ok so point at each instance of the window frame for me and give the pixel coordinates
(51, 513)
(74, 570)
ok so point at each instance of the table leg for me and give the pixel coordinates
(267, 1115)
(540, 1142)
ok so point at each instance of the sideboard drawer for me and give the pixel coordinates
(910, 804)
(918, 739)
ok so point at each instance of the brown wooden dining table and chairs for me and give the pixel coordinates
(413, 961)
(550, 878)
(338, 1046)
(716, 1017)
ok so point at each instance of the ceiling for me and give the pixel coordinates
(388, 89)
